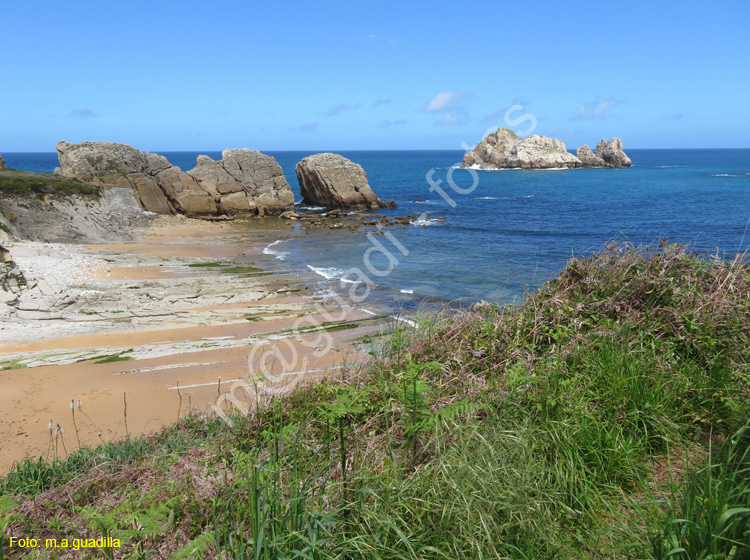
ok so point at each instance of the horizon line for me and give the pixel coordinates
(318, 150)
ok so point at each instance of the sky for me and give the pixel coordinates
(164, 75)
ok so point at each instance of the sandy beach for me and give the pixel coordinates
(183, 320)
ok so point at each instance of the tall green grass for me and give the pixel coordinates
(709, 517)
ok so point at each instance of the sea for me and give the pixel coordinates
(497, 235)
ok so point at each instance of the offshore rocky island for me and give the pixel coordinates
(504, 149)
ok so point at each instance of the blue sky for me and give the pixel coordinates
(370, 74)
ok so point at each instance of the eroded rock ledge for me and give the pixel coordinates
(505, 149)
(242, 182)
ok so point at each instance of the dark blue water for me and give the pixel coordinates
(517, 227)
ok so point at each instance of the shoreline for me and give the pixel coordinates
(187, 304)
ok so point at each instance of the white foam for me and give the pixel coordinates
(405, 320)
(281, 255)
(486, 198)
(407, 291)
(723, 175)
(477, 167)
(369, 312)
(313, 208)
(670, 166)
(329, 273)
(424, 221)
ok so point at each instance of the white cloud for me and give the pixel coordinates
(595, 110)
(454, 118)
(380, 102)
(308, 127)
(446, 101)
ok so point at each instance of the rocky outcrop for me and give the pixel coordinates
(505, 149)
(612, 154)
(589, 158)
(72, 219)
(333, 181)
(12, 282)
(2, 162)
(243, 182)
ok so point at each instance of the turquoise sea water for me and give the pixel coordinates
(516, 227)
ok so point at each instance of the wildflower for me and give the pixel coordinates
(79, 404)
(72, 405)
(51, 425)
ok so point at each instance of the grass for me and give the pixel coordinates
(553, 430)
(109, 358)
(13, 182)
(711, 516)
(206, 265)
(240, 270)
(11, 365)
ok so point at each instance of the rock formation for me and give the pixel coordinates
(12, 283)
(589, 158)
(71, 219)
(504, 148)
(611, 152)
(2, 162)
(243, 182)
(333, 181)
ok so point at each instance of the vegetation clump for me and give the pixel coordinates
(607, 417)
(13, 182)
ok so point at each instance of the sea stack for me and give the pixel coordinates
(333, 181)
(589, 158)
(505, 149)
(2, 162)
(245, 182)
(611, 152)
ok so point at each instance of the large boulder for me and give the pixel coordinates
(245, 181)
(589, 158)
(2, 162)
(505, 149)
(333, 181)
(611, 152)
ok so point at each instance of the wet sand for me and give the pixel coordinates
(148, 329)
